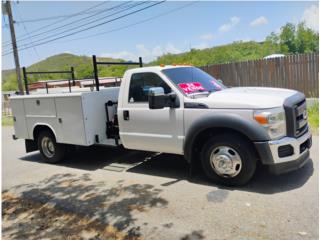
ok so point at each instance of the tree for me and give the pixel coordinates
(273, 38)
(271, 44)
(297, 39)
(306, 39)
(287, 38)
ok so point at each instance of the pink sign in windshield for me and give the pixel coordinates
(191, 87)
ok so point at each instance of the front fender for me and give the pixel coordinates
(247, 127)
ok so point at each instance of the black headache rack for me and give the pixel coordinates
(112, 125)
(26, 84)
(96, 63)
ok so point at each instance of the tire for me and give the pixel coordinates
(51, 151)
(220, 160)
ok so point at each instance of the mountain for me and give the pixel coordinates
(6, 73)
(291, 40)
(236, 51)
(82, 66)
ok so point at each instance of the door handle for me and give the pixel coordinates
(126, 115)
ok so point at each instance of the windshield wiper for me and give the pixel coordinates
(199, 92)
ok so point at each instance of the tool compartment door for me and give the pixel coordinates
(70, 120)
(19, 116)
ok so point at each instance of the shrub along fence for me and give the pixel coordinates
(299, 72)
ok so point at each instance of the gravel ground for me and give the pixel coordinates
(100, 193)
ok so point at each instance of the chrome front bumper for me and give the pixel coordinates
(299, 154)
(294, 142)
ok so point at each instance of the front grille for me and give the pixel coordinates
(296, 115)
(301, 118)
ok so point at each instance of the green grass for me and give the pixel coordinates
(7, 121)
(313, 114)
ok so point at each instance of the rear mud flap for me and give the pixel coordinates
(31, 145)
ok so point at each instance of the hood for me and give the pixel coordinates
(247, 97)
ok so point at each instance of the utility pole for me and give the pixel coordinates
(14, 46)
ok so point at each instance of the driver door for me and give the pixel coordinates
(141, 128)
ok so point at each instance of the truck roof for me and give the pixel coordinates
(155, 68)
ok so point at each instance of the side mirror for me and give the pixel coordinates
(158, 99)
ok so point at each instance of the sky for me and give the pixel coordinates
(169, 27)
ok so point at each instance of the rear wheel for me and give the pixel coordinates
(51, 151)
(228, 159)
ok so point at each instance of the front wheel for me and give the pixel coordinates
(228, 159)
(51, 151)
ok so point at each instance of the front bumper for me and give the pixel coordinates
(296, 157)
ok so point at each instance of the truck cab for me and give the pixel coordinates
(179, 110)
(183, 110)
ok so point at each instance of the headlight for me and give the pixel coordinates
(273, 120)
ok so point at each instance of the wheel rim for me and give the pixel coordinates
(47, 147)
(225, 161)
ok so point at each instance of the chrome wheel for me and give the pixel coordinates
(47, 146)
(225, 161)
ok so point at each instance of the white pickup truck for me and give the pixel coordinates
(174, 109)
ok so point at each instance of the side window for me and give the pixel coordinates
(140, 84)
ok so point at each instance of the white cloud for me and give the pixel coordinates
(122, 54)
(142, 51)
(200, 46)
(227, 26)
(207, 37)
(170, 48)
(244, 39)
(278, 30)
(259, 21)
(311, 17)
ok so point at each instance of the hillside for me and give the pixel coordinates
(6, 73)
(237, 51)
(292, 39)
(82, 65)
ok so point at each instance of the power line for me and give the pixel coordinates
(24, 37)
(79, 20)
(89, 28)
(75, 14)
(58, 16)
(134, 24)
(25, 28)
(88, 23)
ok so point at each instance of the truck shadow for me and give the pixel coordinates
(67, 204)
(175, 167)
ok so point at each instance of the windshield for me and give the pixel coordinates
(193, 80)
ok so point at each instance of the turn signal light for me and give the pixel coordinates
(261, 119)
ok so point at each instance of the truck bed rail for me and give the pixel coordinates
(26, 84)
